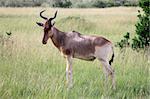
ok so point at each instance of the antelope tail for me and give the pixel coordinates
(112, 58)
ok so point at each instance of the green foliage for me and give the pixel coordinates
(142, 38)
(67, 3)
(130, 3)
(82, 5)
(20, 3)
(63, 4)
(144, 4)
(99, 4)
(124, 42)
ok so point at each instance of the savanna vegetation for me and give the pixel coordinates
(30, 70)
(141, 41)
(68, 3)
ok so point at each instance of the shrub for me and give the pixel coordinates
(142, 38)
(68, 3)
(99, 4)
(124, 42)
(63, 4)
(45, 5)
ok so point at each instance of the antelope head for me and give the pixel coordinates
(47, 26)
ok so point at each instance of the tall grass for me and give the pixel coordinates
(32, 70)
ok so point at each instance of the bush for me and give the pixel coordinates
(142, 38)
(68, 3)
(99, 4)
(63, 4)
(131, 3)
(124, 42)
(82, 5)
(45, 5)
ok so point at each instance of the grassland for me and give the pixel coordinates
(30, 70)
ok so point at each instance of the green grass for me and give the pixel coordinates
(30, 70)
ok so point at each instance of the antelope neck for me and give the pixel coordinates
(56, 37)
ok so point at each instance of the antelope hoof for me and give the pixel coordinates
(114, 87)
(69, 85)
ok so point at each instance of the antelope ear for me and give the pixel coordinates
(40, 24)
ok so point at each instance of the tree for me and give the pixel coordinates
(142, 37)
(62, 3)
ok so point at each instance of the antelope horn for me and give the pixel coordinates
(53, 17)
(42, 15)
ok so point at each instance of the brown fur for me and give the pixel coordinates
(76, 44)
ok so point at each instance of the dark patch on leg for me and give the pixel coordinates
(67, 51)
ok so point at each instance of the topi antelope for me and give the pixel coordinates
(75, 45)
